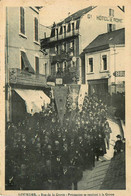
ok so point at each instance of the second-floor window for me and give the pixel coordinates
(37, 65)
(36, 29)
(57, 33)
(69, 27)
(73, 26)
(111, 12)
(64, 29)
(104, 62)
(90, 63)
(61, 30)
(22, 20)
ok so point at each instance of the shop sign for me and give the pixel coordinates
(119, 73)
(110, 19)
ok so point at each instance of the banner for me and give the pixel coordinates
(73, 94)
(73, 97)
(60, 95)
(83, 90)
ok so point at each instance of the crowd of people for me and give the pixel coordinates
(42, 155)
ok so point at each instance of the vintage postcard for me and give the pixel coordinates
(64, 98)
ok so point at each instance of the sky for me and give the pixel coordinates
(57, 10)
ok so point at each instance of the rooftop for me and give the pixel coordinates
(105, 40)
(77, 15)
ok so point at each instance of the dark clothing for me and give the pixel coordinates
(118, 147)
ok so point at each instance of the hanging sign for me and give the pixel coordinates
(60, 95)
(119, 73)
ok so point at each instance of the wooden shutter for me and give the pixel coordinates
(36, 29)
(22, 20)
(37, 64)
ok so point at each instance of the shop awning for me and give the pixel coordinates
(27, 65)
(34, 99)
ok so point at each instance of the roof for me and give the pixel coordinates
(104, 41)
(77, 15)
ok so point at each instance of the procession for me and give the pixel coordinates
(64, 97)
(56, 156)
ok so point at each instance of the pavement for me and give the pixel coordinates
(102, 173)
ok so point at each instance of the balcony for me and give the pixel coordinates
(20, 77)
(46, 41)
(61, 57)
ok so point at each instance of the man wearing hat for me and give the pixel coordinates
(118, 145)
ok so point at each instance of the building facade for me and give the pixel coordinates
(25, 63)
(69, 38)
(105, 63)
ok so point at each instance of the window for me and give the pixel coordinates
(111, 27)
(64, 29)
(57, 33)
(58, 67)
(25, 64)
(56, 49)
(53, 32)
(36, 28)
(45, 68)
(69, 27)
(90, 65)
(104, 62)
(61, 30)
(64, 66)
(53, 69)
(77, 24)
(73, 26)
(64, 46)
(72, 44)
(37, 65)
(22, 20)
(22, 61)
(111, 12)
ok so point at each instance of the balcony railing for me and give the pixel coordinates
(17, 76)
(46, 41)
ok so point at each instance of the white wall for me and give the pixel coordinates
(115, 61)
(91, 27)
(17, 42)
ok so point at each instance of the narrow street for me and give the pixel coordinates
(93, 179)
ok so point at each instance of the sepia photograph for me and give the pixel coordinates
(65, 97)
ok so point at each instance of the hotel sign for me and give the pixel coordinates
(119, 73)
(108, 18)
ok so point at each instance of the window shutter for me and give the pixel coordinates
(37, 64)
(53, 32)
(61, 30)
(22, 20)
(36, 29)
(77, 24)
(69, 27)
